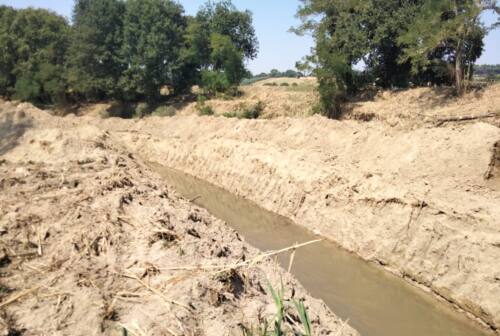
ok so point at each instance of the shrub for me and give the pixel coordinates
(284, 84)
(141, 110)
(201, 100)
(253, 112)
(164, 111)
(295, 84)
(233, 91)
(214, 81)
(202, 107)
(271, 84)
(119, 109)
(206, 110)
(230, 114)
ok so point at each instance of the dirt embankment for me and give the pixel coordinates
(295, 97)
(403, 109)
(423, 202)
(426, 106)
(91, 243)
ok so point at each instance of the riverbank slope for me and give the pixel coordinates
(421, 201)
(93, 243)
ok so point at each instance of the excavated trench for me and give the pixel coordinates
(375, 302)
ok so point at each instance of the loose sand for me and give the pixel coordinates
(387, 183)
(421, 200)
(91, 239)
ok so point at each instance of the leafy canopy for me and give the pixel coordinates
(399, 42)
(94, 60)
(152, 40)
(34, 43)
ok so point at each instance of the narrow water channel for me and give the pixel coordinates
(375, 302)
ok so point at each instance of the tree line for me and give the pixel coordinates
(123, 50)
(274, 73)
(399, 43)
(487, 70)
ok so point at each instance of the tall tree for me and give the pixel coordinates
(398, 41)
(219, 39)
(153, 37)
(451, 30)
(39, 40)
(351, 32)
(94, 59)
(224, 18)
(7, 56)
(228, 67)
(358, 31)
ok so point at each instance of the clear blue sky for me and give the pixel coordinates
(272, 18)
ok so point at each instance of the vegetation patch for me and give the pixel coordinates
(291, 311)
(401, 44)
(139, 53)
(253, 111)
(164, 111)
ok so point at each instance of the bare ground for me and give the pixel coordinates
(92, 243)
(419, 197)
(392, 183)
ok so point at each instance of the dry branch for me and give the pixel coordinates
(195, 199)
(156, 291)
(440, 122)
(20, 296)
(249, 262)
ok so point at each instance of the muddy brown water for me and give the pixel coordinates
(375, 302)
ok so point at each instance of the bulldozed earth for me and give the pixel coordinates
(93, 241)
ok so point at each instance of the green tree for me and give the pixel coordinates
(39, 40)
(398, 41)
(275, 73)
(152, 41)
(219, 39)
(227, 67)
(94, 59)
(449, 31)
(226, 57)
(7, 56)
(224, 18)
(366, 31)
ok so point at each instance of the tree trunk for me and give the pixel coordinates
(459, 69)
(459, 61)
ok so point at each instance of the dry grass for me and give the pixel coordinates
(295, 100)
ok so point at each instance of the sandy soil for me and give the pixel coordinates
(412, 108)
(390, 183)
(422, 106)
(92, 243)
(420, 200)
(293, 100)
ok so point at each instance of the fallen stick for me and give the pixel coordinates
(290, 263)
(40, 249)
(20, 295)
(195, 199)
(243, 263)
(294, 247)
(156, 291)
(440, 122)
